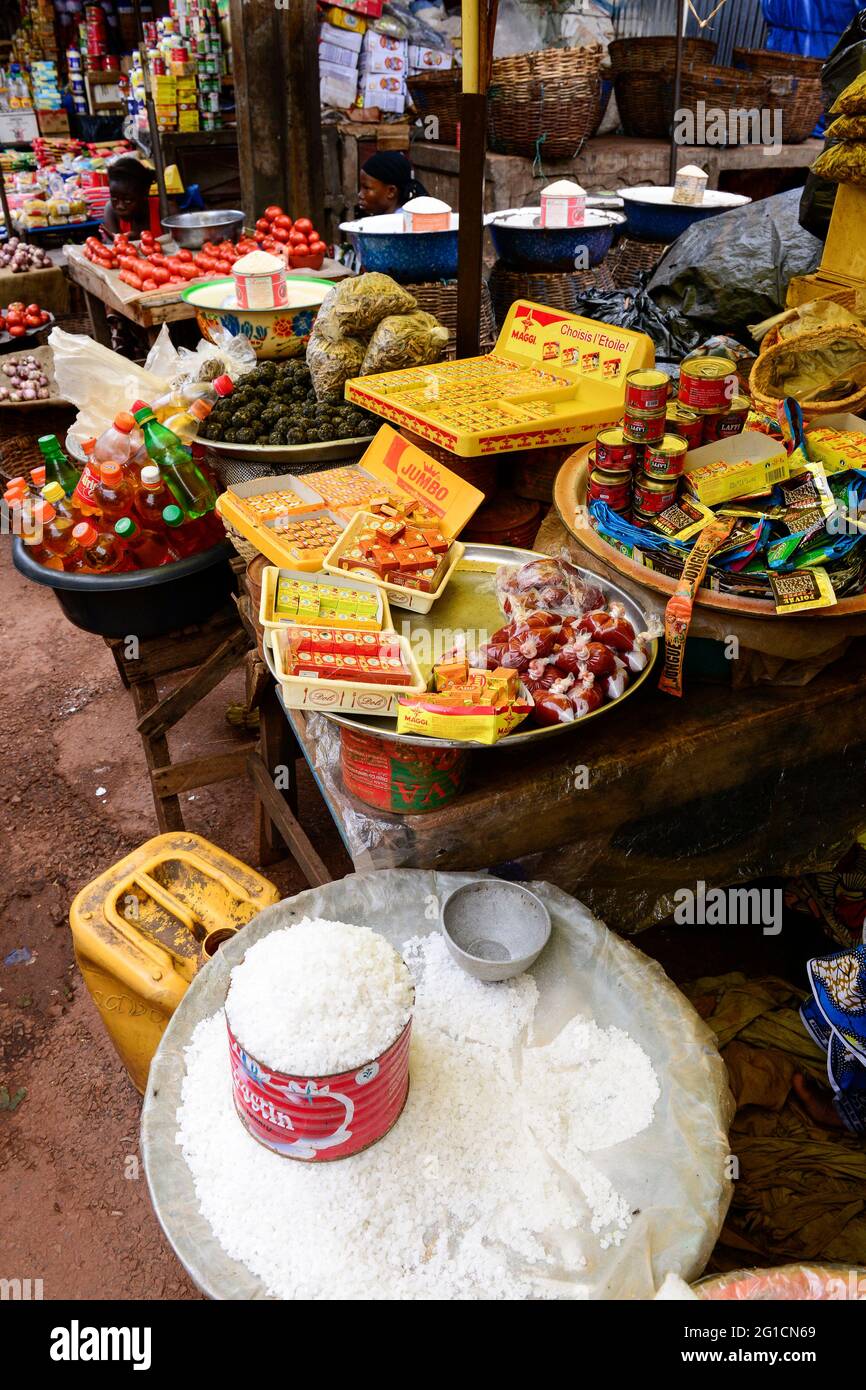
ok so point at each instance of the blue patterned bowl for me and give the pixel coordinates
(274, 333)
(520, 240)
(409, 256)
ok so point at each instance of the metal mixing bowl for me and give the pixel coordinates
(193, 229)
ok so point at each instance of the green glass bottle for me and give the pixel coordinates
(184, 479)
(58, 468)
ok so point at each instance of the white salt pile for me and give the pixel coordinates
(480, 1190)
(319, 997)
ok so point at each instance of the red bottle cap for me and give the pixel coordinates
(139, 405)
(84, 533)
(223, 385)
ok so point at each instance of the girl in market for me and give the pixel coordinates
(387, 182)
(129, 184)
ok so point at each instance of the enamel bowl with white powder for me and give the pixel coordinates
(319, 1020)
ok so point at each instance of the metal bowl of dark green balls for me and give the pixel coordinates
(273, 417)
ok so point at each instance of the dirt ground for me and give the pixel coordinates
(73, 799)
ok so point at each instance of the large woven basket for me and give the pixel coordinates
(436, 95)
(785, 64)
(645, 102)
(722, 86)
(630, 258)
(546, 118)
(557, 289)
(548, 63)
(657, 53)
(801, 101)
(439, 298)
(765, 395)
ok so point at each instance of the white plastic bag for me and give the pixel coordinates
(232, 354)
(98, 381)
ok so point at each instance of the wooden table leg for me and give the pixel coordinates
(168, 812)
(98, 319)
(277, 800)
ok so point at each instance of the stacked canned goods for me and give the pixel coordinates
(646, 397)
(611, 467)
(709, 389)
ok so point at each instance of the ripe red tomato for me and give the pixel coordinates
(17, 330)
(303, 224)
(318, 248)
(273, 212)
(34, 309)
(281, 234)
(284, 221)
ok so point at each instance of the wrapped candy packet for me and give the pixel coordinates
(678, 613)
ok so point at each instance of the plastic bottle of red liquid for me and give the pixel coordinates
(182, 533)
(98, 552)
(84, 495)
(24, 525)
(56, 531)
(113, 495)
(145, 549)
(151, 498)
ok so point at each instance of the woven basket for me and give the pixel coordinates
(727, 88)
(18, 454)
(801, 102)
(557, 289)
(764, 394)
(645, 102)
(505, 520)
(630, 258)
(437, 95)
(480, 472)
(785, 64)
(657, 53)
(533, 471)
(546, 118)
(548, 63)
(439, 298)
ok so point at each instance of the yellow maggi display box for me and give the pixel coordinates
(552, 379)
(142, 930)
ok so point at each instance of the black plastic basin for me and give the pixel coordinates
(142, 603)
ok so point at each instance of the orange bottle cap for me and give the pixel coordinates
(88, 446)
(43, 511)
(124, 422)
(84, 533)
(111, 472)
(38, 475)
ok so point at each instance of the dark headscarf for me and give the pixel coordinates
(392, 168)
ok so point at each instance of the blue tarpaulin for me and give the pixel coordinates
(811, 27)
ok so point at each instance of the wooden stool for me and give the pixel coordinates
(213, 648)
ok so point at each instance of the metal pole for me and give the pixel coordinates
(153, 126)
(4, 201)
(678, 73)
(473, 150)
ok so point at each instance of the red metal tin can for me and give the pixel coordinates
(687, 423)
(708, 383)
(643, 427)
(646, 388)
(614, 488)
(320, 1118)
(723, 425)
(667, 459)
(652, 495)
(613, 450)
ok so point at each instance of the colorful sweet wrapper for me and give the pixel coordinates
(678, 613)
(802, 590)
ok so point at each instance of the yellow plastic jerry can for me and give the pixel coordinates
(143, 928)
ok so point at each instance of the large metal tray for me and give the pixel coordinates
(469, 603)
(328, 451)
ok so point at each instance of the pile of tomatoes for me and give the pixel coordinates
(18, 318)
(299, 240)
(146, 267)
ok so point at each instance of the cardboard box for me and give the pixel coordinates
(18, 127)
(341, 38)
(53, 122)
(744, 465)
(381, 54)
(387, 91)
(430, 59)
(338, 57)
(337, 86)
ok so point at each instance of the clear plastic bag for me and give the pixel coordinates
(546, 586)
(353, 308)
(333, 364)
(230, 355)
(98, 381)
(405, 340)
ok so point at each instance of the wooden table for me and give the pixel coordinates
(721, 786)
(101, 301)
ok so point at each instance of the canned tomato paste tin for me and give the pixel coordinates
(708, 383)
(643, 427)
(613, 450)
(665, 460)
(647, 389)
(687, 423)
(611, 487)
(652, 495)
(321, 1117)
(723, 424)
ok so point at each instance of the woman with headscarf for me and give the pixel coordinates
(387, 182)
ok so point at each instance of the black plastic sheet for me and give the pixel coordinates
(671, 333)
(733, 270)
